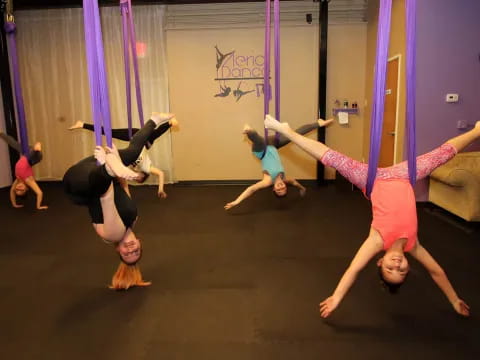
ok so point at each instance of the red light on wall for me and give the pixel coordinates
(141, 49)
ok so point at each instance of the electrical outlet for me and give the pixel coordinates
(451, 98)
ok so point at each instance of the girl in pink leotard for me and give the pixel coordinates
(24, 178)
(394, 224)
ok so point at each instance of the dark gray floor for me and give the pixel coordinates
(239, 285)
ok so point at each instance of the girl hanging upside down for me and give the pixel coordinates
(103, 190)
(24, 178)
(143, 163)
(273, 172)
(394, 224)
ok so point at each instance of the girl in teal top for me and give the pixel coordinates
(272, 168)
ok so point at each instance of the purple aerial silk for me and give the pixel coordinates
(99, 98)
(266, 67)
(378, 104)
(129, 38)
(276, 51)
(411, 8)
(379, 89)
(267, 89)
(10, 30)
(126, 63)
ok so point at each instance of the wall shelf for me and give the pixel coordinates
(350, 111)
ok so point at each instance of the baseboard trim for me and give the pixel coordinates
(308, 182)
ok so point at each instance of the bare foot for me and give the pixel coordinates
(37, 146)
(100, 154)
(477, 125)
(160, 118)
(114, 166)
(271, 123)
(246, 128)
(77, 125)
(173, 122)
(322, 123)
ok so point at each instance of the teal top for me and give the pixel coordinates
(271, 162)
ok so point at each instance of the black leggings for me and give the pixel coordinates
(85, 183)
(85, 180)
(33, 156)
(258, 142)
(122, 134)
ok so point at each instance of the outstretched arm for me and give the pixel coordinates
(13, 196)
(264, 183)
(438, 275)
(32, 184)
(368, 250)
(161, 181)
(299, 186)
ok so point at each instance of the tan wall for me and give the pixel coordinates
(209, 145)
(345, 80)
(396, 47)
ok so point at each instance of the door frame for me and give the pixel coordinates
(397, 110)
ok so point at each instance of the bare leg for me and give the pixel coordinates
(77, 125)
(113, 227)
(302, 130)
(258, 143)
(462, 141)
(312, 147)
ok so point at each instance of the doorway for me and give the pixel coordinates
(390, 115)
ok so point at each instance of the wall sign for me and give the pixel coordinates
(243, 73)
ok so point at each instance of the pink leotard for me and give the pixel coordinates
(393, 200)
(394, 212)
(23, 170)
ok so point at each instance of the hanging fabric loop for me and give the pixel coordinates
(276, 51)
(411, 9)
(126, 63)
(267, 89)
(129, 48)
(10, 29)
(266, 66)
(100, 102)
(379, 89)
(378, 104)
